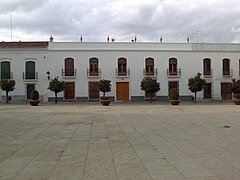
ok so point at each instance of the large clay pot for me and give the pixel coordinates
(174, 102)
(105, 102)
(34, 102)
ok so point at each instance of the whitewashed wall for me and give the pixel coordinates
(190, 60)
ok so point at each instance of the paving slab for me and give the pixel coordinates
(124, 141)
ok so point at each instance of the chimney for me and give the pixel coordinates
(188, 39)
(135, 39)
(161, 39)
(107, 38)
(51, 39)
(81, 38)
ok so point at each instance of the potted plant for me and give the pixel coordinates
(150, 85)
(174, 97)
(235, 87)
(104, 86)
(34, 98)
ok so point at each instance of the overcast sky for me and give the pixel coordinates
(148, 20)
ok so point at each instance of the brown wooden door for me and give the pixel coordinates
(172, 85)
(226, 92)
(122, 91)
(69, 92)
(208, 90)
(93, 91)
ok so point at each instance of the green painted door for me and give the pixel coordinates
(30, 88)
(5, 70)
(30, 70)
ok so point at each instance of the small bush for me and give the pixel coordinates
(237, 95)
(174, 95)
(34, 95)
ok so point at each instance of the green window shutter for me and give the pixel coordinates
(5, 70)
(30, 70)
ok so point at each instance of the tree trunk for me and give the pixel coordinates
(195, 98)
(103, 95)
(6, 96)
(55, 97)
(151, 95)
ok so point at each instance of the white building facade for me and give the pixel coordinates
(82, 64)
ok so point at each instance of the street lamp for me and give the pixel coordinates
(48, 75)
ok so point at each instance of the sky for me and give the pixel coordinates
(122, 20)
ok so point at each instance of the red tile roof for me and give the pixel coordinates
(43, 44)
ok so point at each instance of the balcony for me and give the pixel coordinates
(121, 74)
(30, 76)
(94, 74)
(174, 74)
(7, 75)
(152, 73)
(208, 74)
(69, 74)
(228, 73)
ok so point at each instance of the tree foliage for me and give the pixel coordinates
(196, 84)
(7, 85)
(56, 86)
(104, 86)
(35, 95)
(235, 87)
(150, 85)
(174, 94)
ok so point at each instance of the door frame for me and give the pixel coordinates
(210, 91)
(74, 91)
(169, 86)
(99, 95)
(230, 95)
(129, 90)
(26, 90)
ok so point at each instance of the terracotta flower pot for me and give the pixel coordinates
(34, 102)
(174, 102)
(105, 102)
(237, 101)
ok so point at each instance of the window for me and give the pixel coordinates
(69, 67)
(93, 67)
(149, 63)
(5, 70)
(30, 70)
(207, 67)
(172, 66)
(122, 67)
(226, 66)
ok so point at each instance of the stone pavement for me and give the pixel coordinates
(139, 141)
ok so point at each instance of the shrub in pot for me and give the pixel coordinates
(174, 97)
(34, 98)
(104, 86)
(235, 87)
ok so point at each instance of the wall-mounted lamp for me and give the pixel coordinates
(48, 75)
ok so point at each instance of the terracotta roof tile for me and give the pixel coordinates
(43, 44)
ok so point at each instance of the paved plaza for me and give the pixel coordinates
(125, 141)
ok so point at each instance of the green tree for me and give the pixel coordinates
(196, 84)
(104, 86)
(56, 86)
(235, 87)
(150, 85)
(7, 85)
